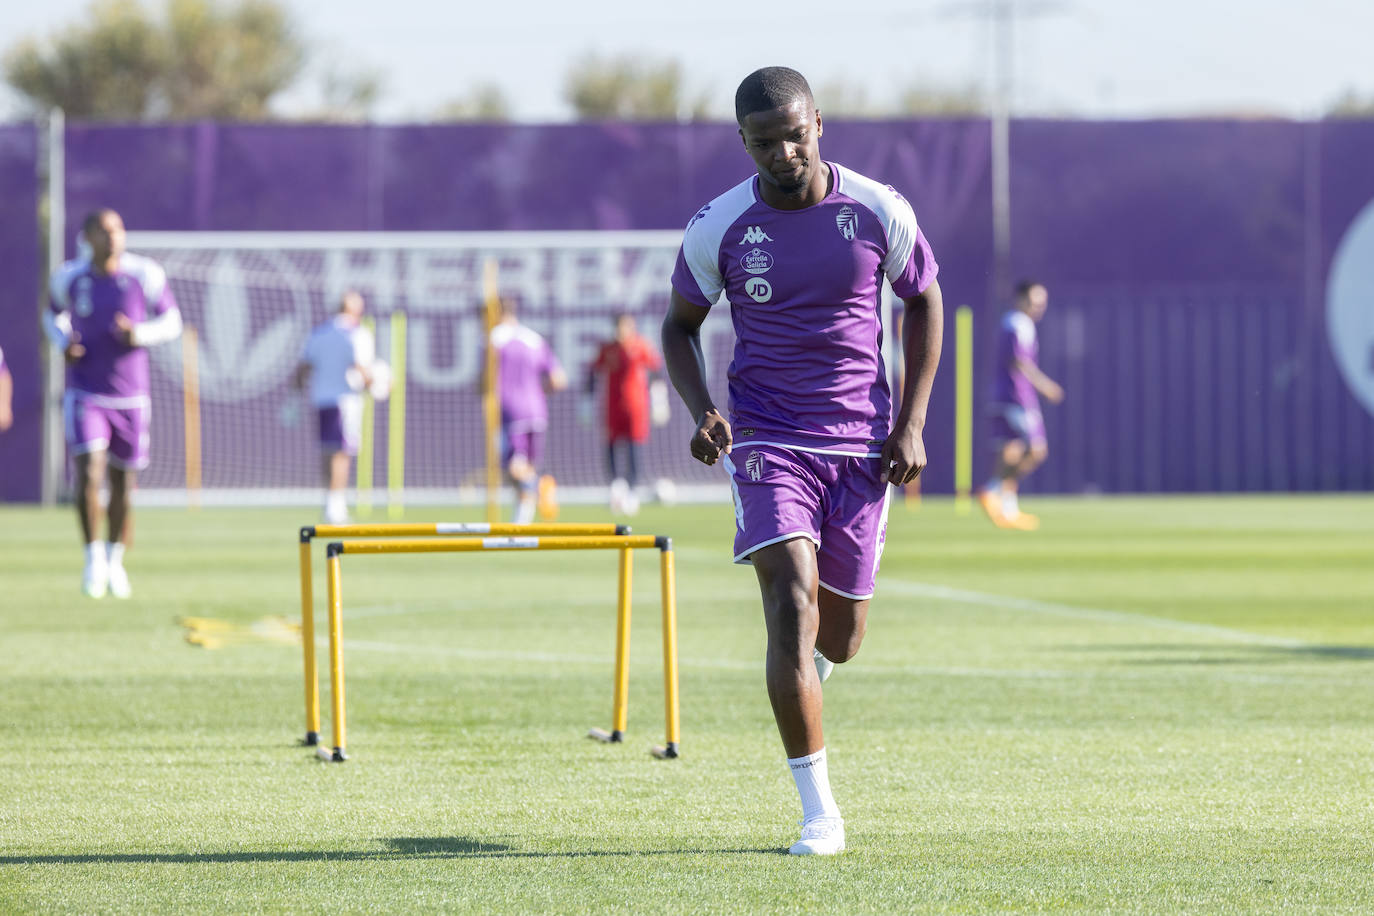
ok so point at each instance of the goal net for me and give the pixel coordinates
(252, 299)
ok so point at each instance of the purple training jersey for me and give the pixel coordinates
(524, 359)
(804, 288)
(115, 373)
(1016, 342)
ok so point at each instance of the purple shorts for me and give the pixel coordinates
(94, 425)
(837, 501)
(340, 427)
(1012, 421)
(528, 444)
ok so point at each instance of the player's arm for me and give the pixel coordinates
(6, 398)
(57, 320)
(923, 321)
(1048, 387)
(682, 354)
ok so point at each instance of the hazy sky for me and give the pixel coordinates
(1096, 59)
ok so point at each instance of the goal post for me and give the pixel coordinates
(255, 296)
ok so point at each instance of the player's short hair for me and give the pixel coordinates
(1023, 287)
(94, 218)
(769, 88)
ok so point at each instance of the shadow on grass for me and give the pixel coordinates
(1212, 654)
(397, 848)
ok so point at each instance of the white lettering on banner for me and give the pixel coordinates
(464, 334)
(372, 273)
(1350, 307)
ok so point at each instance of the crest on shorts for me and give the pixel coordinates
(753, 466)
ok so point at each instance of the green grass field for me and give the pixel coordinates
(1151, 705)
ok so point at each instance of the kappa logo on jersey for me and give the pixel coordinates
(700, 213)
(759, 289)
(754, 465)
(848, 222)
(756, 261)
(753, 235)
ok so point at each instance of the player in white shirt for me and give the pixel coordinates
(339, 362)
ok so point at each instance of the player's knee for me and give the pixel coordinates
(1013, 452)
(840, 644)
(1039, 452)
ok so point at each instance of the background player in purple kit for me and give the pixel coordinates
(1018, 428)
(800, 251)
(106, 308)
(526, 369)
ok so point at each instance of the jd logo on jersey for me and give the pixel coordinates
(754, 235)
(759, 289)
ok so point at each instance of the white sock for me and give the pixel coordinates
(116, 553)
(1010, 507)
(524, 511)
(336, 507)
(95, 554)
(813, 785)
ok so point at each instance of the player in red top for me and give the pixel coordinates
(626, 362)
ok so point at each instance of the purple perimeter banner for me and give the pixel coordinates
(21, 449)
(1209, 314)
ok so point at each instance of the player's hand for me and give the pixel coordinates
(903, 456)
(712, 438)
(1055, 393)
(124, 329)
(6, 418)
(75, 349)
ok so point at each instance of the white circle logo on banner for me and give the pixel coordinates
(1350, 307)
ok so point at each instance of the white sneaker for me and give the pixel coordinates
(821, 836)
(119, 583)
(823, 665)
(94, 580)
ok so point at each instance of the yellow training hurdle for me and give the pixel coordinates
(502, 537)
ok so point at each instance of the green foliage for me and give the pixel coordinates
(631, 89)
(1154, 705)
(484, 102)
(202, 60)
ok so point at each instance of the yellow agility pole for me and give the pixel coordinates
(670, 704)
(396, 425)
(620, 702)
(491, 404)
(398, 529)
(190, 392)
(336, 674)
(363, 463)
(623, 543)
(963, 409)
(312, 679)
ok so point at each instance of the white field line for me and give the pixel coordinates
(1126, 618)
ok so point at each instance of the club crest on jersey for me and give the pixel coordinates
(848, 222)
(754, 465)
(756, 261)
(759, 289)
(754, 235)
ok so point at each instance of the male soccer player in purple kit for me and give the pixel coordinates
(525, 367)
(800, 251)
(106, 308)
(1018, 428)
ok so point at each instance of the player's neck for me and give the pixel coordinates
(106, 267)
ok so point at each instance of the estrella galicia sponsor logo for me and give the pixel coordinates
(756, 261)
(759, 289)
(754, 465)
(847, 221)
(754, 235)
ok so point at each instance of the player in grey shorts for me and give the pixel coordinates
(800, 250)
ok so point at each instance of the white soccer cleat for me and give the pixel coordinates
(821, 836)
(119, 583)
(823, 665)
(94, 581)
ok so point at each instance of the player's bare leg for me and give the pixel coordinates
(336, 468)
(788, 583)
(523, 477)
(90, 473)
(121, 522)
(1027, 459)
